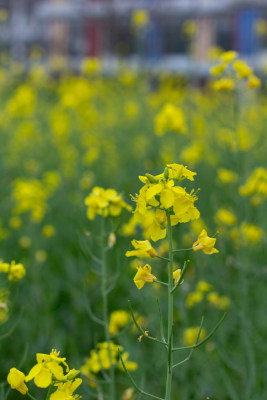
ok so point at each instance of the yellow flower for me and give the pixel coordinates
(16, 272)
(170, 118)
(143, 275)
(140, 18)
(225, 217)
(190, 335)
(143, 249)
(250, 233)
(16, 379)
(205, 243)
(242, 69)
(227, 176)
(176, 275)
(118, 319)
(65, 390)
(48, 231)
(130, 365)
(218, 69)
(194, 298)
(224, 84)
(46, 368)
(203, 286)
(229, 56)
(253, 82)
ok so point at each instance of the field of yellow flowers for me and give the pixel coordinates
(142, 188)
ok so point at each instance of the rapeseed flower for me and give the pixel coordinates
(65, 390)
(143, 248)
(143, 275)
(205, 243)
(16, 379)
(190, 335)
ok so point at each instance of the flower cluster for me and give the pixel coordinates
(231, 70)
(160, 193)
(47, 372)
(15, 272)
(102, 358)
(118, 319)
(170, 118)
(255, 186)
(105, 202)
(204, 290)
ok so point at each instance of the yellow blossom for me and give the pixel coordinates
(224, 84)
(118, 319)
(16, 379)
(176, 275)
(225, 217)
(143, 275)
(143, 249)
(65, 390)
(203, 286)
(170, 118)
(194, 298)
(205, 243)
(190, 335)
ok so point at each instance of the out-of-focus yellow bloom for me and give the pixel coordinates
(176, 275)
(260, 27)
(143, 275)
(255, 185)
(90, 66)
(194, 298)
(192, 153)
(170, 118)
(189, 28)
(105, 202)
(190, 335)
(3, 15)
(203, 286)
(48, 231)
(16, 379)
(143, 249)
(221, 302)
(41, 255)
(25, 242)
(227, 176)
(140, 18)
(225, 217)
(15, 271)
(224, 84)
(65, 390)
(218, 70)
(130, 365)
(242, 69)
(118, 319)
(253, 82)
(229, 56)
(129, 394)
(47, 367)
(15, 222)
(205, 243)
(250, 233)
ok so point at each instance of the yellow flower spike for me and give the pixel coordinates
(176, 275)
(16, 379)
(205, 243)
(143, 249)
(143, 275)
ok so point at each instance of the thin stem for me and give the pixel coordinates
(191, 352)
(170, 312)
(104, 293)
(163, 258)
(162, 283)
(32, 397)
(140, 391)
(161, 323)
(178, 250)
(141, 330)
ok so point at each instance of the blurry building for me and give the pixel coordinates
(177, 31)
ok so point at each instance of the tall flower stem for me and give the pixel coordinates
(104, 292)
(170, 312)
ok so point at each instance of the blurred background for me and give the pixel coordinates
(176, 34)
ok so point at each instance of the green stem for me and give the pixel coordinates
(170, 312)
(178, 250)
(104, 293)
(32, 397)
